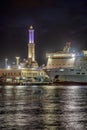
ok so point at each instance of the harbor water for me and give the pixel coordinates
(43, 107)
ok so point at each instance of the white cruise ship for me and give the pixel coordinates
(66, 66)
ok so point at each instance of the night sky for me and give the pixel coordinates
(55, 22)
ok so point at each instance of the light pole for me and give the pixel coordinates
(6, 62)
(17, 61)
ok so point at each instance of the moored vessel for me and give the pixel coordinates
(67, 66)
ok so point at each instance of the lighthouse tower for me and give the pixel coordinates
(31, 45)
(31, 49)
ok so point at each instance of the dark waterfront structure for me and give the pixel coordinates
(28, 69)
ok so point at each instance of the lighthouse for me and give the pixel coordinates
(31, 45)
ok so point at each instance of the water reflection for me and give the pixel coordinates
(43, 107)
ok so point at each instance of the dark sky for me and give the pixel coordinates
(55, 22)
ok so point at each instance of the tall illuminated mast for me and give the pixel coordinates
(31, 45)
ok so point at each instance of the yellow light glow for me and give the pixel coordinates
(31, 27)
(8, 67)
(19, 67)
(73, 55)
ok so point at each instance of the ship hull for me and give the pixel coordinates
(69, 83)
(67, 78)
(73, 78)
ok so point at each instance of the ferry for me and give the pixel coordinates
(67, 66)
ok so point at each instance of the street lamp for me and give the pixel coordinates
(6, 62)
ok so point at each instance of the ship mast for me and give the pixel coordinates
(67, 47)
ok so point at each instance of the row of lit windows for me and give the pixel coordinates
(79, 73)
(30, 74)
(61, 58)
(3, 73)
(11, 74)
(24, 74)
(73, 70)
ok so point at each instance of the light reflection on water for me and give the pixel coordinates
(43, 107)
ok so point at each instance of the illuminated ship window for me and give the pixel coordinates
(61, 69)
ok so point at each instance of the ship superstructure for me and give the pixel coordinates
(67, 66)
